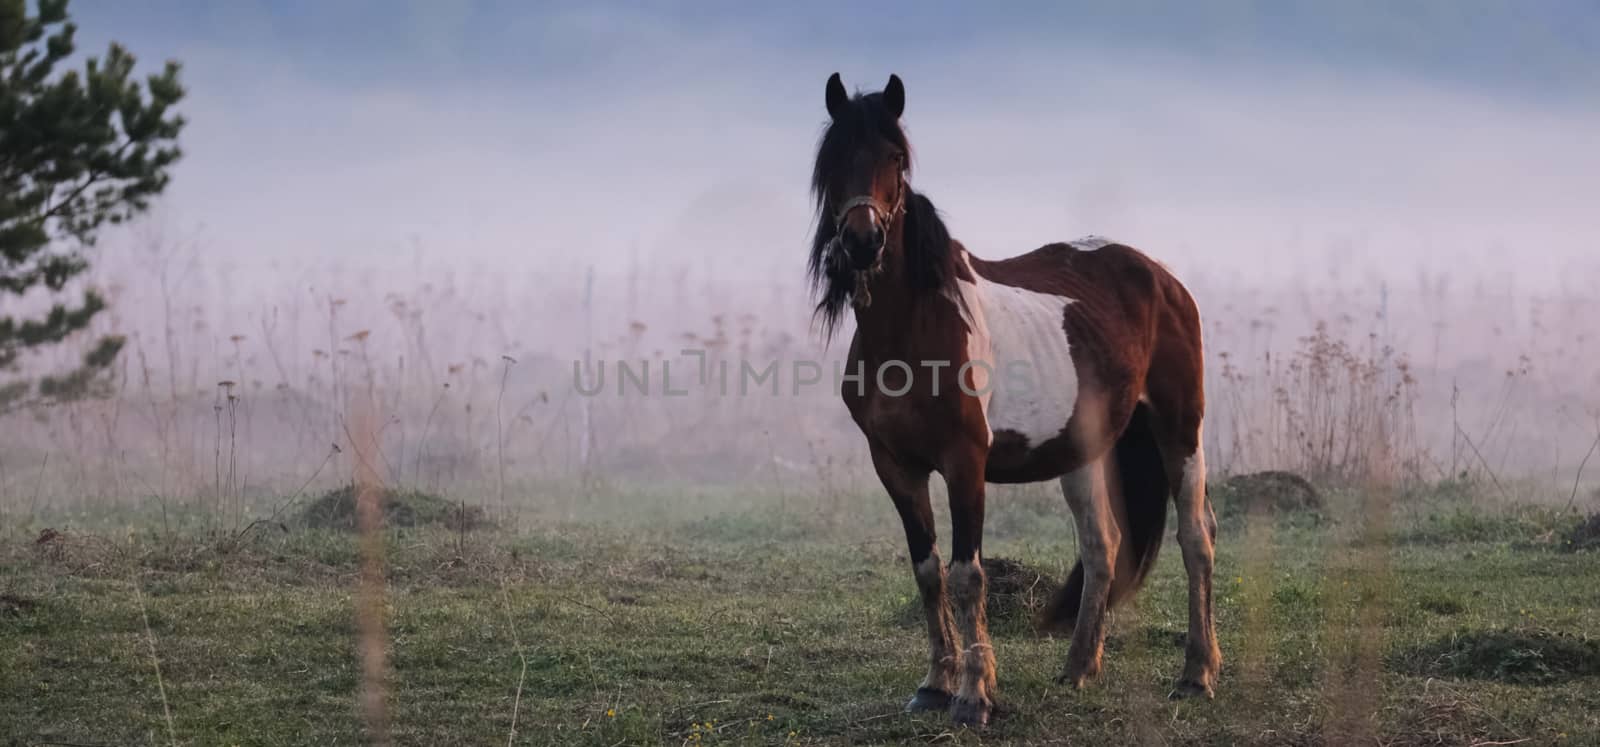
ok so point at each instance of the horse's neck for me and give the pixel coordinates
(902, 322)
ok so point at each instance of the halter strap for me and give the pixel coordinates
(883, 216)
(860, 201)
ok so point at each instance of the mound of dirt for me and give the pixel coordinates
(1585, 536)
(1530, 657)
(1273, 491)
(336, 509)
(1015, 591)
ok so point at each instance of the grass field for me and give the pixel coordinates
(1425, 621)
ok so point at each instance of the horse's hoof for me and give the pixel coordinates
(928, 699)
(973, 713)
(1076, 681)
(1187, 688)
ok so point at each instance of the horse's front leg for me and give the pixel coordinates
(974, 701)
(908, 487)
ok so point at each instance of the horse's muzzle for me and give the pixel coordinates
(863, 248)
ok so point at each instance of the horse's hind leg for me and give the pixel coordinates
(1183, 453)
(1175, 390)
(1098, 538)
(908, 487)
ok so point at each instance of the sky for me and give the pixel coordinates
(1285, 138)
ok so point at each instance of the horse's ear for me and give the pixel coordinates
(838, 100)
(894, 96)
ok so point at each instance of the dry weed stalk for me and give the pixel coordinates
(511, 623)
(371, 630)
(155, 661)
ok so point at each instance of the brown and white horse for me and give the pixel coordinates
(1078, 361)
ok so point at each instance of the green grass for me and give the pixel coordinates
(740, 626)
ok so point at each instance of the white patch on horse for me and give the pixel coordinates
(1017, 333)
(1090, 243)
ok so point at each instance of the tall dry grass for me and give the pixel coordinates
(235, 394)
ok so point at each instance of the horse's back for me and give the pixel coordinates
(1082, 264)
(1114, 284)
(1123, 315)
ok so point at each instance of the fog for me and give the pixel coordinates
(458, 214)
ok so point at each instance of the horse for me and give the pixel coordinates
(1079, 362)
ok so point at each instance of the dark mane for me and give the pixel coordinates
(928, 256)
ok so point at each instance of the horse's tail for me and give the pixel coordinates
(1139, 495)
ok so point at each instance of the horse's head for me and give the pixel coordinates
(859, 180)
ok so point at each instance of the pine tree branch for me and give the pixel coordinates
(94, 177)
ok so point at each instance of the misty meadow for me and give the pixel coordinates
(458, 378)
